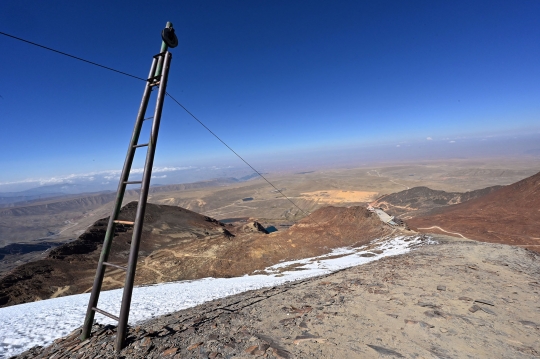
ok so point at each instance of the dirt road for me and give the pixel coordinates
(445, 231)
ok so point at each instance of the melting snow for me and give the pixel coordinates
(39, 323)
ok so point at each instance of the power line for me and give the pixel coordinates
(72, 56)
(237, 155)
(168, 94)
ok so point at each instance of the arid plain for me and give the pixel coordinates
(65, 218)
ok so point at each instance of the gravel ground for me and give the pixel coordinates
(456, 299)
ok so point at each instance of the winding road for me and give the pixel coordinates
(444, 230)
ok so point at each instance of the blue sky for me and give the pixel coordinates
(272, 78)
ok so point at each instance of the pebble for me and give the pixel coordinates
(195, 345)
(170, 351)
(483, 301)
(251, 349)
(529, 323)
(429, 305)
(489, 311)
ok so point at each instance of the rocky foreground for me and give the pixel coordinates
(456, 299)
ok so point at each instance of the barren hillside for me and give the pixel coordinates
(509, 215)
(420, 200)
(180, 244)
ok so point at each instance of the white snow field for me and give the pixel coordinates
(39, 323)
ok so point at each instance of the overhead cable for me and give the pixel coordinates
(237, 155)
(72, 56)
(185, 109)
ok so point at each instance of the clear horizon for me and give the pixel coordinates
(519, 147)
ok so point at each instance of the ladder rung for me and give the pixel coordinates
(124, 222)
(148, 118)
(115, 265)
(105, 314)
(132, 182)
(141, 145)
(154, 84)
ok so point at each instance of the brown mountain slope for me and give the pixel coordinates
(326, 228)
(70, 268)
(509, 215)
(180, 244)
(420, 200)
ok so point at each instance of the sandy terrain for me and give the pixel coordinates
(456, 299)
(337, 196)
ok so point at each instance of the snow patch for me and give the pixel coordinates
(39, 323)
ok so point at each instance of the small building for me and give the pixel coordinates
(388, 219)
(385, 217)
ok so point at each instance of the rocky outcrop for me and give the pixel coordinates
(253, 227)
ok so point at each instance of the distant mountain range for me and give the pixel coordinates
(44, 192)
(61, 190)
